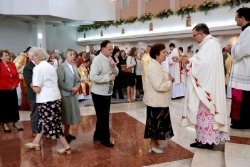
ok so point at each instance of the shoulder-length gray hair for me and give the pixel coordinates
(65, 53)
(40, 52)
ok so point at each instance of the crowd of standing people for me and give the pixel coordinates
(53, 84)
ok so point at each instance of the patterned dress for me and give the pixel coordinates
(50, 118)
(158, 125)
(204, 128)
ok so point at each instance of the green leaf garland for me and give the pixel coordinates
(145, 17)
(208, 5)
(164, 14)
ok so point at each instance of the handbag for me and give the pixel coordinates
(125, 69)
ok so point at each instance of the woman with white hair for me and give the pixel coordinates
(48, 98)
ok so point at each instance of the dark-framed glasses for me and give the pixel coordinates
(236, 17)
(194, 35)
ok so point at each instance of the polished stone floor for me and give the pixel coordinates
(127, 121)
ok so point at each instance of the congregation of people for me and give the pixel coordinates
(51, 84)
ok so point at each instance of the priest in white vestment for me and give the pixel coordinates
(240, 74)
(165, 64)
(178, 88)
(205, 101)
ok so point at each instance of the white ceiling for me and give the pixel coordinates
(49, 20)
(55, 12)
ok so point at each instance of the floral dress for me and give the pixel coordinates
(50, 118)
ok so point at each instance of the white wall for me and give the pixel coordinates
(17, 36)
(100, 10)
(220, 21)
(62, 37)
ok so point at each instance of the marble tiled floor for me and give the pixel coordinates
(127, 128)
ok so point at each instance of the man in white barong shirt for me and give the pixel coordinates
(178, 88)
(240, 74)
(205, 101)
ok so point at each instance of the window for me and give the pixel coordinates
(125, 4)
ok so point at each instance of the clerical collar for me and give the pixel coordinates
(245, 26)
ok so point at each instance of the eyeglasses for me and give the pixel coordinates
(194, 35)
(237, 17)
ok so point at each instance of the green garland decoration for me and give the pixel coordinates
(208, 5)
(186, 10)
(131, 20)
(84, 28)
(96, 26)
(118, 22)
(234, 3)
(145, 17)
(164, 14)
(107, 24)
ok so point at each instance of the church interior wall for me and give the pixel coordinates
(127, 12)
(220, 21)
(66, 38)
(17, 36)
(157, 5)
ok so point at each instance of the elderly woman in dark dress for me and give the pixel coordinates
(157, 97)
(69, 83)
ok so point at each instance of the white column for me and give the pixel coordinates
(30, 29)
(141, 9)
(174, 5)
(41, 36)
(87, 48)
(118, 9)
(139, 46)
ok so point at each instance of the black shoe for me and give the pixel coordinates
(200, 145)
(238, 127)
(68, 139)
(107, 144)
(72, 137)
(19, 129)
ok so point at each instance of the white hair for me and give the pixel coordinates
(40, 52)
(56, 51)
(92, 56)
